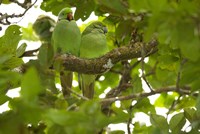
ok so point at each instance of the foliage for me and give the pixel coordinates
(172, 73)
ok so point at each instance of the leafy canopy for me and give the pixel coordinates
(172, 72)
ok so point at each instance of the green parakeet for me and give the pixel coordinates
(66, 39)
(43, 27)
(93, 45)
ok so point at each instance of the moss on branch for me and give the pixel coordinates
(105, 63)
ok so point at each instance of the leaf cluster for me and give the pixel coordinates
(123, 91)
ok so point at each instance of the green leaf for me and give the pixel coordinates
(198, 104)
(21, 49)
(12, 63)
(177, 122)
(111, 19)
(30, 86)
(189, 75)
(168, 62)
(141, 129)
(5, 58)
(186, 102)
(115, 7)
(145, 106)
(83, 11)
(3, 98)
(190, 114)
(165, 100)
(159, 122)
(123, 30)
(27, 33)
(6, 1)
(11, 38)
(54, 6)
(29, 111)
(183, 35)
(11, 123)
(56, 129)
(146, 5)
(137, 84)
(8, 80)
(165, 76)
(117, 132)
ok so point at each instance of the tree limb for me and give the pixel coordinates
(105, 63)
(143, 95)
(4, 17)
(29, 53)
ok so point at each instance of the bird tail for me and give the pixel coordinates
(87, 85)
(66, 78)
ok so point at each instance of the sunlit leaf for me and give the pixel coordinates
(160, 122)
(27, 33)
(6, 1)
(177, 122)
(11, 38)
(165, 100)
(21, 49)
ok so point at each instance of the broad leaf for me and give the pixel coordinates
(177, 122)
(160, 122)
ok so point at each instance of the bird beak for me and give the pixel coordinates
(105, 30)
(69, 17)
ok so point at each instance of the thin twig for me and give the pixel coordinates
(6, 16)
(77, 94)
(142, 67)
(152, 70)
(115, 71)
(130, 118)
(179, 74)
(142, 95)
(174, 103)
(29, 53)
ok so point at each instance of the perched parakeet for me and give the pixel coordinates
(66, 39)
(43, 27)
(93, 45)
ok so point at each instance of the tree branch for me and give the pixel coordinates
(4, 17)
(184, 90)
(105, 63)
(29, 53)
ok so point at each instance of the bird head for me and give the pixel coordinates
(43, 27)
(96, 26)
(100, 26)
(65, 14)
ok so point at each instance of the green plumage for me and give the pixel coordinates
(93, 45)
(66, 39)
(43, 27)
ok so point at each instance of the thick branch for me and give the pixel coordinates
(105, 63)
